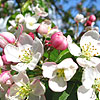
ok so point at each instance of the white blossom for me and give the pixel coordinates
(89, 48)
(59, 73)
(26, 55)
(23, 88)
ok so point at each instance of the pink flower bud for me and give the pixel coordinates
(88, 23)
(42, 29)
(92, 18)
(3, 42)
(31, 34)
(59, 41)
(1, 62)
(5, 60)
(8, 36)
(6, 78)
(48, 43)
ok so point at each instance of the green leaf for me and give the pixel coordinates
(64, 96)
(56, 95)
(62, 54)
(53, 55)
(72, 90)
(25, 6)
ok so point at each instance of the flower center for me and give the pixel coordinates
(49, 29)
(60, 73)
(31, 23)
(26, 56)
(96, 85)
(24, 91)
(89, 50)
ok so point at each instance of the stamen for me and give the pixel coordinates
(89, 50)
(23, 91)
(60, 73)
(26, 56)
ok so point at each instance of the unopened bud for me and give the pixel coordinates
(42, 29)
(8, 36)
(79, 18)
(6, 78)
(92, 18)
(59, 41)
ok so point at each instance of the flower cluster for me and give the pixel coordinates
(37, 56)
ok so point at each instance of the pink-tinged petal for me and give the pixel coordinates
(21, 76)
(25, 39)
(6, 78)
(37, 87)
(5, 60)
(12, 53)
(19, 31)
(3, 42)
(8, 36)
(42, 29)
(86, 94)
(57, 84)
(48, 69)
(1, 62)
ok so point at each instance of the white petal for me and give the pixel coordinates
(37, 87)
(86, 94)
(34, 61)
(69, 39)
(25, 39)
(74, 49)
(67, 63)
(36, 43)
(48, 69)
(98, 67)
(93, 62)
(13, 90)
(57, 84)
(12, 22)
(38, 46)
(89, 76)
(32, 27)
(33, 97)
(69, 73)
(94, 34)
(21, 77)
(12, 53)
(20, 67)
(92, 44)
